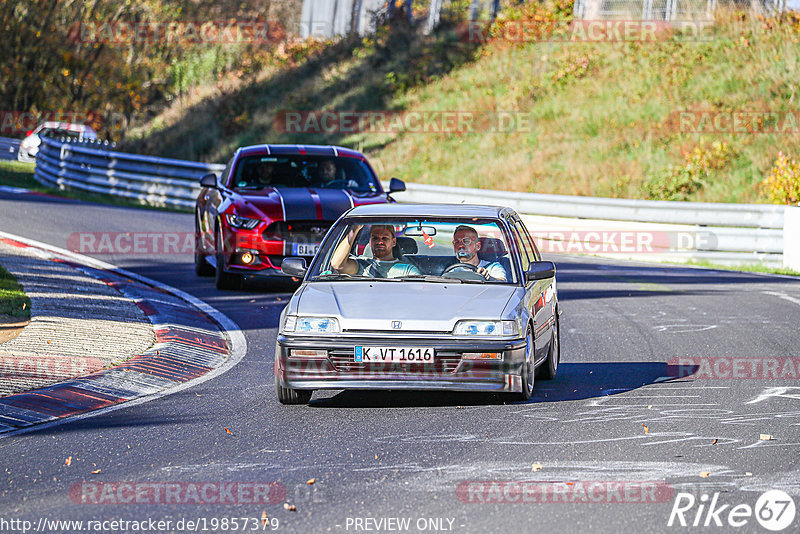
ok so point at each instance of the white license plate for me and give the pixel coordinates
(302, 249)
(393, 354)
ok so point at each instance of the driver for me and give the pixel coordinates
(466, 246)
(383, 264)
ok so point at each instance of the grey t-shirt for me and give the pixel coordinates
(384, 269)
(495, 270)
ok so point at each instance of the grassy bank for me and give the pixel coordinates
(13, 300)
(602, 114)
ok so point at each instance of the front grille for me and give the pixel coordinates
(297, 231)
(444, 363)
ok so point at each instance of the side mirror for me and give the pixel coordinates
(396, 185)
(541, 270)
(209, 180)
(294, 266)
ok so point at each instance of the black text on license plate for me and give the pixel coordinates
(393, 354)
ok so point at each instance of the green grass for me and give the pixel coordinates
(602, 113)
(750, 268)
(20, 174)
(13, 300)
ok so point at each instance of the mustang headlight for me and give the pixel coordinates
(485, 328)
(242, 222)
(311, 325)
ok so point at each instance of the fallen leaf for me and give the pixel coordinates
(24, 305)
(748, 474)
(156, 353)
(290, 507)
(714, 442)
(376, 456)
(536, 467)
(228, 431)
(264, 517)
(197, 394)
(766, 437)
(311, 481)
(49, 341)
(705, 474)
(649, 406)
(68, 461)
(646, 428)
(96, 471)
(252, 300)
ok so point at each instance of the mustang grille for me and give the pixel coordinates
(297, 231)
(444, 362)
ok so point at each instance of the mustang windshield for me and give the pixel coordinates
(327, 172)
(429, 251)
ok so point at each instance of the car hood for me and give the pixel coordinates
(302, 203)
(420, 307)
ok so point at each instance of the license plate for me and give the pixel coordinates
(303, 249)
(393, 354)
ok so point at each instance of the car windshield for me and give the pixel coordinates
(58, 132)
(326, 172)
(430, 251)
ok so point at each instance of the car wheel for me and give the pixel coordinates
(527, 372)
(201, 266)
(292, 396)
(224, 280)
(547, 371)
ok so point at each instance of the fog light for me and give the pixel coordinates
(248, 258)
(482, 356)
(305, 353)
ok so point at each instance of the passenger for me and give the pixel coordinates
(466, 246)
(383, 264)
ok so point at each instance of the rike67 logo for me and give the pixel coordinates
(774, 510)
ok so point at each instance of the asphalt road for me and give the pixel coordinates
(617, 423)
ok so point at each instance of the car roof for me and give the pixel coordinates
(430, 210)
(313, 150)
(67, 126)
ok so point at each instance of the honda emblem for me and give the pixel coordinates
(397, 325)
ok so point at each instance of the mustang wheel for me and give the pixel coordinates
(224, 280)
(201, 266)
(292, 396)
(527, 369)
(547, 371)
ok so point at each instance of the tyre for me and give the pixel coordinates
(224, 280)
(527, 372)
(201, 266)
(292, 396)
(547, 371)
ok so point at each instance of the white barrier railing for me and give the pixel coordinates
(723, 233)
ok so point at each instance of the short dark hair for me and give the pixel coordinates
(388, 227)
(465, 228)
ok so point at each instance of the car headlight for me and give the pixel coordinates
(311, 325)
(242, 222)
(486, 328)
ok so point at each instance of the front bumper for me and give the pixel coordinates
(449, 371)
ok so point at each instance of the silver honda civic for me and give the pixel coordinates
(420, 296)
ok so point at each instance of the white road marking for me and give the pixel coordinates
(784, 296)
(777, 392)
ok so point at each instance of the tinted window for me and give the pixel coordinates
(524, 250)
(327, 172)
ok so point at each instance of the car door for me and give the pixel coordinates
(208, 207)
(535, 291)
(544, 297)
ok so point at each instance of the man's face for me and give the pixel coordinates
(382, 242)
(465, 245)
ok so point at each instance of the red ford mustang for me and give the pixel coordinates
(274, 201)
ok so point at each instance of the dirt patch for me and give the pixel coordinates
(10, 327)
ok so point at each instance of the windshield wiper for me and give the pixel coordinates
(431, 278)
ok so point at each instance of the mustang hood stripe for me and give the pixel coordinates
(298, 204)
(334, 203)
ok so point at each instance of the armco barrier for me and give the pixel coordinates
(723, 233)
(156, 181)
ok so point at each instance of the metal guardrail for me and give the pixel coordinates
(88, 167)
(728, 233)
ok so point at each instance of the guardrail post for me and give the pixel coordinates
(791, 238)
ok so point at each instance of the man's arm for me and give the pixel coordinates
(341, 260)
(494, 271)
